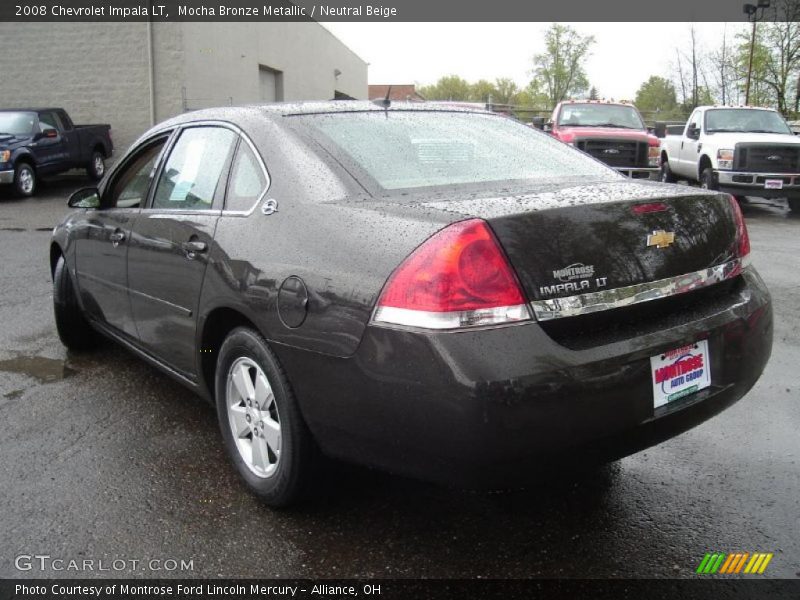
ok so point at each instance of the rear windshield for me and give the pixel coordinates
(745, 120)
(414, 149)
(17, 123)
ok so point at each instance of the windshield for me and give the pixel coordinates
(412, 149)
(17, 123)
(599, 115)
(745, 120)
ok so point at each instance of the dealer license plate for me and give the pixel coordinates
(773, 184)
(680, 372)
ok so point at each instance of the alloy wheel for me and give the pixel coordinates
(253, 417)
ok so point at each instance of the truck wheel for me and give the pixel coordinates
(667, 176)
(73, 328)
(25, 180)
(265, 435)
(708, 181)
(794, 205)
(97, 166)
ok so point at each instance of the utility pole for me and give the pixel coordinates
(751, 10)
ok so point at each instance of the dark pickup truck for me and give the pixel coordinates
(37, 142)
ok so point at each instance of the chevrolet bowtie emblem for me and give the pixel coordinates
(660, 238)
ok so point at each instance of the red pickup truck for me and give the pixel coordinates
(611, 132)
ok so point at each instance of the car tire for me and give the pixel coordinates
(707, 180)
(666, 175)
(97, 166)
(73, 328)
(794, 205)
(25, 182)
(263, 430)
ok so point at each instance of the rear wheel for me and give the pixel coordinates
(708, 181)
(264, 433)
(667, 176)
(97, 166)
(25, 180)
(73, 328)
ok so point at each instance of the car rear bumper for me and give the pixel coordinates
(7, 176)
(497, 407)
(752, 184)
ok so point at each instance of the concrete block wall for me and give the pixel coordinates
(97, 72)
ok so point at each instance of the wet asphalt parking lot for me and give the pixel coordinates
(103, 457)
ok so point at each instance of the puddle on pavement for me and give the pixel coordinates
(45, 370)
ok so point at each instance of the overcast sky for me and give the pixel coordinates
(625, 54)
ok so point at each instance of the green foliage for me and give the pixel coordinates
(505, 91)
(450, 87)
(656, 94)
(561, 67)
(594, 94)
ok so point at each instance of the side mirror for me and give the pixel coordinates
(49, 132)
(85, 198)
(538, 123)
(548, 127)
(694, 133)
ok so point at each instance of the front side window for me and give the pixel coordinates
(412, 149)
(191, 175)
(50, 120)
(247, 181)
(129, 187)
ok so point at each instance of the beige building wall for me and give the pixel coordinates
(101, 72)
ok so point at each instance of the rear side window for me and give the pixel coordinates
(247, 181)
(191, 176)
(411, 149)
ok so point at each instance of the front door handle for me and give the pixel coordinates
(117, 238)
(193, 247)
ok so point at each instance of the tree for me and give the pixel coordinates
(782, 40)
(451, 87)
(594, 94)
(656, 94)
(482, 91)
(505, 91)
(561, 66)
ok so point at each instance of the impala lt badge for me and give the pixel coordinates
(774, 157)
(610, 151)
(660, 238)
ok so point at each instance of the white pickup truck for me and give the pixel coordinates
(741, 151)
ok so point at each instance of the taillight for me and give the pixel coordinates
(742, 237)
(458, 278)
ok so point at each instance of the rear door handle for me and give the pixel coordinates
(192, 248)
(117, 237)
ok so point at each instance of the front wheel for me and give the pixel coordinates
(264, 433)
(25, 180)
(97, 166)
(794, 205)
(708, 181)
(666, 175)
(73, 328)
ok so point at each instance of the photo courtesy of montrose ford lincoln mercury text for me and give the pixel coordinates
(439, 292)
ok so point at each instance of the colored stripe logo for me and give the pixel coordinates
(737, 562)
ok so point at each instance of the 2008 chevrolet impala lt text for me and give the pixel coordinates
(439, 292)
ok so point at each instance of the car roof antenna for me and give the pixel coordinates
(385, 103)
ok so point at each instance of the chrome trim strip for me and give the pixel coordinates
(582, 304)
